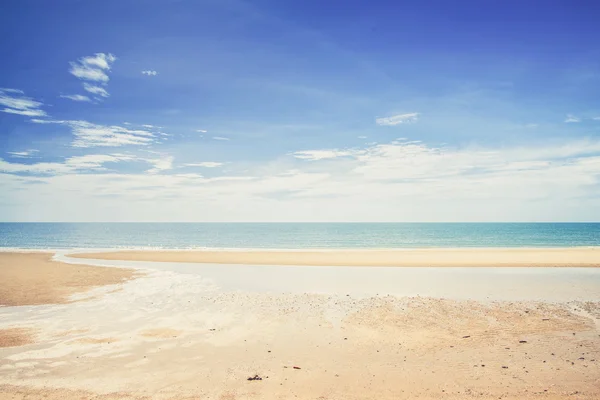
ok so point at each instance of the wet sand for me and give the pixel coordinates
(171, 335)
(475, 257)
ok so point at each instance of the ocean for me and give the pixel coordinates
(295, 235)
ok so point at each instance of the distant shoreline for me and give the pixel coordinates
(79, 250)
(429, 257)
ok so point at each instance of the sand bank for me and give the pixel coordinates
(33, 278)
(473, 257)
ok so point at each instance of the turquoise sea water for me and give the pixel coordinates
(296, 235)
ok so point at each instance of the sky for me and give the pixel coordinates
(274, 110)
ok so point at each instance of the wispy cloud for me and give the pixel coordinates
(201, 130)
(220, 138)
(97, 90)
(28, 113)
(23, 154)
(206, 164)
(93, 69)
(96, 161)
(149, 73)
(90, 162)
(411, 160)
(75, 97)
(16, 102)
(398, 119)
(88, 134)
(315, 155)
(91, 135)
(14, 91)
(405, 179)
(362, 137)
(572, 119)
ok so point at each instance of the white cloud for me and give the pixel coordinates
(96, 161)
(572, 119)
(396, 181)
(90, 162)
(88, 74)
(85, 163)
(75, 97)
(220, 138)
(596, 118)
(148, 126)
(14, 91)
(27, 113)
(22, 154)
(88, 134)
(91, 135)
(206, 164)
(16, 102)
(315, 155)
(193, 176)
(99, 60)
(38, 168)
(93, 68)
(419, 162)
(397, 119)
(98, 90)
(149, 73)
(201, 131)
(161, 164)
(362, 137)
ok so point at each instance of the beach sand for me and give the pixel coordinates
(33, 278)
(473, 257)
(167, 335)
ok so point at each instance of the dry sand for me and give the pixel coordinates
(33, 278)
(173, 336)
(503, 257)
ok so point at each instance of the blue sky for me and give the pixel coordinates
(300, 111)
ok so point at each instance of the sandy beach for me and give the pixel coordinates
(472, 257)
(30, 279)
(178, 334)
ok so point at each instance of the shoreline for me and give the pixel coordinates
(276, 249)
(431, 257)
